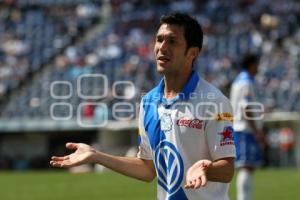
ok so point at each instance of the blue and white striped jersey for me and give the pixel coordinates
(195, 125)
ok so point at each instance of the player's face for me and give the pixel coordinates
(170, 49)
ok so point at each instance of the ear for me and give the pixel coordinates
(193, 52)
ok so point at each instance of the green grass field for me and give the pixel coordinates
(59, 185)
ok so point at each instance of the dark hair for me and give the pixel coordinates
(192, 29)
(248, 60)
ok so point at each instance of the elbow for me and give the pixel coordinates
(229, 176)
(228, 179)
(149, 173)
(150, 177)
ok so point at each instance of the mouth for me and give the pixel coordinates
(163, 59)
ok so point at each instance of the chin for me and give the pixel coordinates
(162, 69)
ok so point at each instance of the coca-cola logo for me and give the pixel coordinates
(190, 123)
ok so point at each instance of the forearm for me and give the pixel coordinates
(221, 170)
(129, 166)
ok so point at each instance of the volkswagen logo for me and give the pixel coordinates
(169, 166)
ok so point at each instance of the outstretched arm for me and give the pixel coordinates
(133, 167)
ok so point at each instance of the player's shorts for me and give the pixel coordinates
(248, 151)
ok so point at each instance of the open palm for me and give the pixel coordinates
(196, 174)
(82, 155)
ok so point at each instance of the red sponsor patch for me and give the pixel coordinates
(227, 136)
(190, 123)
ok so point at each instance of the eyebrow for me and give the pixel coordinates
(168, 36)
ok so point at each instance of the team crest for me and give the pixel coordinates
(166, 122)
(227, 136)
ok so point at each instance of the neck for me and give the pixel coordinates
(252, 74)
(175, 82)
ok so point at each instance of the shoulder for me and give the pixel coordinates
(243, 78)
(243, 83)
(210, 92)
(215, 100)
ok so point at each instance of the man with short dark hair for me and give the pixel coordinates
(185, 125)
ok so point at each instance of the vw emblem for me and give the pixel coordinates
(169, 166)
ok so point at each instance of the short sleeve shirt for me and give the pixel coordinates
(195, 125)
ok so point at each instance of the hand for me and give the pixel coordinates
(196, 174)
(82, 155)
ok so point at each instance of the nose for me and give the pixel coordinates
(163, 46)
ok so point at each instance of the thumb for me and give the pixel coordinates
(207, 163)
(203, 180)
(71, 145)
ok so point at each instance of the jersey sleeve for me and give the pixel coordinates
(144, 151)
(219, 132)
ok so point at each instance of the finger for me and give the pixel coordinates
(187, 182)
(51, 162)
(71, 145)
(194, 183)
(188, 185)
(55, 164)
(60, 164)
(198, 183)
(203, 180)
(59, 158)
(65, 164)
(191, 184)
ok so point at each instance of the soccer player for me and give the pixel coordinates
(185, 125)
(248, 136)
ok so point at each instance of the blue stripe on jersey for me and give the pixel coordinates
(150, 105)
(151, 119)
(179, 195)
(189, 87)
(168, 161)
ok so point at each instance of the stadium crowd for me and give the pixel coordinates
(124, 50)
(32, 34)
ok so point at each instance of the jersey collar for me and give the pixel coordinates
(245, 75)
(189, 88)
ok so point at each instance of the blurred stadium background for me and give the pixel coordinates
(52, 52)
